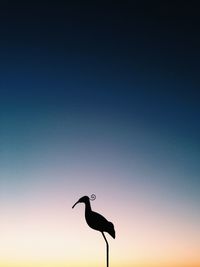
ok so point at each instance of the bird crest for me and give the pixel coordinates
(93, 197)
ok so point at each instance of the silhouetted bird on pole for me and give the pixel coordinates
(96, 221)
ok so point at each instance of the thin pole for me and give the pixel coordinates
(107, 250)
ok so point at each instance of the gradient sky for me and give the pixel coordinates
(99, 98)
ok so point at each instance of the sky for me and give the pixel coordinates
(99, 98)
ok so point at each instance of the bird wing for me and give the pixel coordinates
(97, 221)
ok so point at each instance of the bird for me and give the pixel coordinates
(95, 220)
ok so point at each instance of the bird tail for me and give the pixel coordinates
(111, 230)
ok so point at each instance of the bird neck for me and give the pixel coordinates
(87, 206)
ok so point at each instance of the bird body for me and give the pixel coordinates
(95, 220)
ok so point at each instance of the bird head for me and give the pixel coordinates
(84, 199)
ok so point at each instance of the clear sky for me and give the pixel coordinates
(99, 99)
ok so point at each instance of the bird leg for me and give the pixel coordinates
(107, 249)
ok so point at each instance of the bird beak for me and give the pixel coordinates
(75, 204)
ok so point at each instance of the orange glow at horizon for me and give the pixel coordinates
(53, 238)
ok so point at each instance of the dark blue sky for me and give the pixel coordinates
(131, 63)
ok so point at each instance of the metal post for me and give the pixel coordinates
(107, 250)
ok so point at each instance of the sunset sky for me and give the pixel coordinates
(99, 99)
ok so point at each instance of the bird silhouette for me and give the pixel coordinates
(96, 221)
